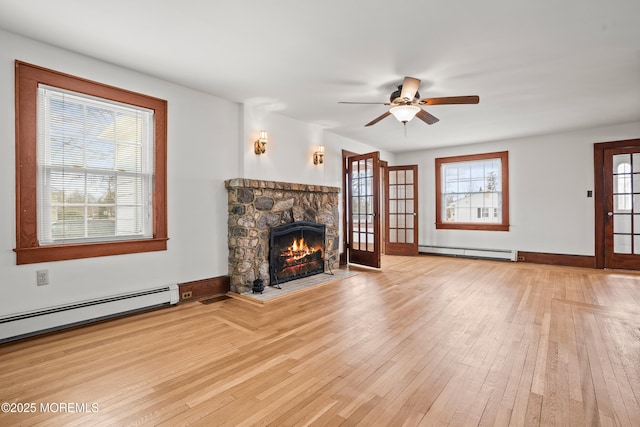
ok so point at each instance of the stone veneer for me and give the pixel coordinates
(255, 206)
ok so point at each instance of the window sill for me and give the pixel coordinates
(471, 226)
(87, 250)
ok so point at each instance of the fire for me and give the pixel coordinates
(299, 248)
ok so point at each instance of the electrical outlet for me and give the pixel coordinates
(520, 258)
(42, 277)
(186, 295)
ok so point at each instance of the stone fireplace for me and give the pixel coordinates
(256, 206)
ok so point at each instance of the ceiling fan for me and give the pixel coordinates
(405, 102)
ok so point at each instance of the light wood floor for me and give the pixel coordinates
(427, 341)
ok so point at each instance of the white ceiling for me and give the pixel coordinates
(539, 66)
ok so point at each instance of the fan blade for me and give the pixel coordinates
(473, 99)
(409, 88)
(350, 102)
(377, 119)
(427, 117)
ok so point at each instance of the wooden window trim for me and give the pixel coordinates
(504, 225)
(28, 249)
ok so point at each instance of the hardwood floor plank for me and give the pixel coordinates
(426, 340)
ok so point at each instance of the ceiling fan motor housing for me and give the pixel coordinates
(395, 95)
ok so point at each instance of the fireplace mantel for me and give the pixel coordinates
(257, 205)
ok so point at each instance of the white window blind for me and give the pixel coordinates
(95, 169)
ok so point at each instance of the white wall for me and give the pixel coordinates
(549, 177)
(289, 152)
(201, 128)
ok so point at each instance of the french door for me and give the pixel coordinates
(363, 205)
(401, 210)
(618, 207)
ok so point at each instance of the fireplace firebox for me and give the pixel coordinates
(296, 250)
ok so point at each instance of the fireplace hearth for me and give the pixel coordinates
(296, 250)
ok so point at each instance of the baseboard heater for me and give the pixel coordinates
(23, 325)
(499, 254)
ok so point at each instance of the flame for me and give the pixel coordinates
(296, 254)
(299, 248)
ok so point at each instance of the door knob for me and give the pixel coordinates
(609, 213)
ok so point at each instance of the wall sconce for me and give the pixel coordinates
(260, 145)
(318, 156)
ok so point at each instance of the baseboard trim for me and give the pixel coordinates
(205, 288)
(583, 261)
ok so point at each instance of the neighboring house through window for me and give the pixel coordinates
(91, 168)
(472, 192)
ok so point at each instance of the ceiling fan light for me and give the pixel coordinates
(404, 113)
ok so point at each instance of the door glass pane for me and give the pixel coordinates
(393, 236)
(636, 203)
(621, 163)
(401, 238)
(622, 203)
(622, 224)
(401, 192)
(409, 177)
(622, 243)
(622, 183)
(392, 177)
(636, 224)
(393, 221)
(393, 206)
(409, 191)
(636, 162)
(409, 206)
(401, 206)
(409, 237)
(409, 221)
(636, 245)
(400, 177)
(392, 192)
(401, 221)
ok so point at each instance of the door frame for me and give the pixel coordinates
(600, 198)
(344, 259)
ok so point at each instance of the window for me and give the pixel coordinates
(472, 192)
(90, 168)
